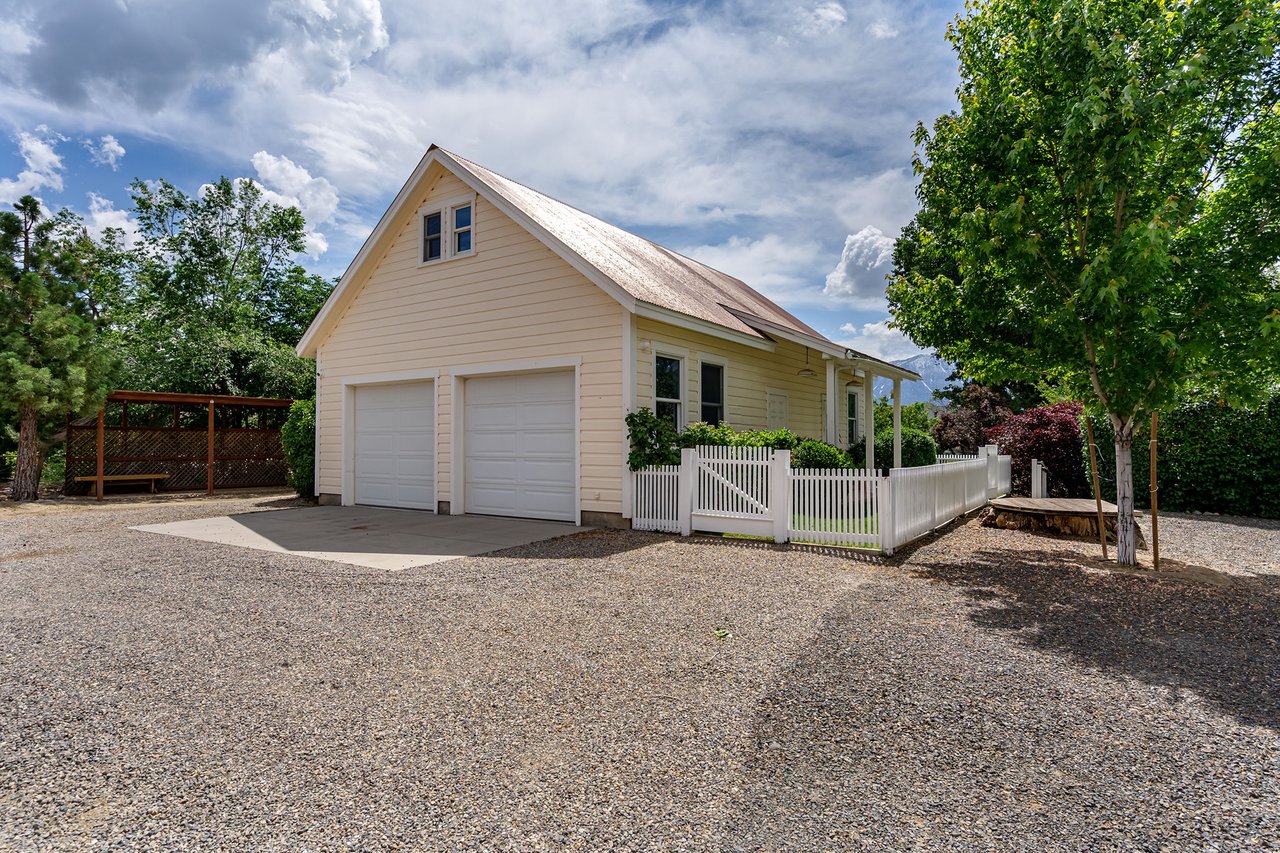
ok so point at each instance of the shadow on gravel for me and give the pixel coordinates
(1220, 641)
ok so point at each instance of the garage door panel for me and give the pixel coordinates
(394, 443)
(520, 446)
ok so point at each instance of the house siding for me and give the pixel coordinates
(514, 300)
(750, 374)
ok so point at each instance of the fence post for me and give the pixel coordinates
(684, 489)
(888, 517)
(993, 471)
(780, 494)
(1037, 479)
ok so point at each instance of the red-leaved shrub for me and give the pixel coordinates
(1052, 435)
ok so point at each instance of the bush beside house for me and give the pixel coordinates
(298, 436)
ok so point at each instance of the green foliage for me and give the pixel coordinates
(1212, 458)
(916, 416)
(298, 436)
(1102, 212)
(210, 298)
(918, 448)
(819, 454)
(652, 439)
(1052, 435)
(54, 470)
(706, 434)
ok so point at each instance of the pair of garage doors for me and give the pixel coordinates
(518, 449)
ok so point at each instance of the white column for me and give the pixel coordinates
(830, 437)
(897, 423)
(780, 494)
(684, 489)
(869, 411)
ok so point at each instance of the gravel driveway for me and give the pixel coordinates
(988, 690)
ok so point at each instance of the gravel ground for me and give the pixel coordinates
(988, 690)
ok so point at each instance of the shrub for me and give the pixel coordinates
(958, 431)
(778, 439)
(918, 448)
(54, 467)
(818, 454)
(652, 440)
(705, 433)
(1052, 435)
(1211, 459)
(298, 436)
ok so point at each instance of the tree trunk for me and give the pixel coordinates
(26, 474)
(1126, 537)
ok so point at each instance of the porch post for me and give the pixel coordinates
(869, 418)
(101, 450)
(897, 423)
(209, 462)
(830, 437)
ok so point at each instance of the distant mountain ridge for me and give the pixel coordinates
(934, 373)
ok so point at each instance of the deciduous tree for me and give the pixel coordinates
(1102, 210)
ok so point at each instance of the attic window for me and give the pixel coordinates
(448, 231)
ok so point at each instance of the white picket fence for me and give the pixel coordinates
(956, 457)
(755, 492)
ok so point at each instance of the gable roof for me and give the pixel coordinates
(637, 272)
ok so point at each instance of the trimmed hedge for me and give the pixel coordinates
(918, 448)
(1211, 459)
(298, 436)
(653, 441)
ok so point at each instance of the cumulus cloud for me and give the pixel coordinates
(824, 18)
(858, 277)
(777, 267)
(882, 29)
(290, 185)
(107, 151)
(103, 214)
(44, 167)
(879, 339)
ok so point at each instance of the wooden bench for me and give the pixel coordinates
(131, 479)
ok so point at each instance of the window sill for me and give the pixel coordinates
(437, 261)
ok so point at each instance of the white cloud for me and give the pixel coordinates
(879, 340)
(882, 30)
(825, 17)
(103, 214)
(107, 151)
(43, 165)
(286, 183)
(858, 277)
(777, 267)
(886, 199)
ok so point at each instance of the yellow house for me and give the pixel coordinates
(481, 351)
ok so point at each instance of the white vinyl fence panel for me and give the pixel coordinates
(835, 507)
(931, 495)
(1004, 482)
(656, 495)
(956, 457)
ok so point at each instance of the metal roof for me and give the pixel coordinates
(649, 272)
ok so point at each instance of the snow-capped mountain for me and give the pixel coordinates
(934, 373)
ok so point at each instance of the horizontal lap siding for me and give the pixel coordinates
(514, 300)
(749, 374)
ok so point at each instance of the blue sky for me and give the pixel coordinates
(770, 139)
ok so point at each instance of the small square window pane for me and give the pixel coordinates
(669, 412)
(433, 249)
(667, 377)
(462, 217)
(463, 241)
(431, 225)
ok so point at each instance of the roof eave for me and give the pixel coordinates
(856, 359)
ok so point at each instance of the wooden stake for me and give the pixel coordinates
(1097, 491)
(210, 460)
(102, 415)
(1155, 517)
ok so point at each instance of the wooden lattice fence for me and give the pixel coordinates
(183, 436)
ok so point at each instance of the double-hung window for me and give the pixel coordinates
(712, 393)
(667, 384)
(854, 402)
(448, 231)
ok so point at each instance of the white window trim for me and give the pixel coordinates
(682, 415)
(445, 208)
(724, 385)
(853, 412)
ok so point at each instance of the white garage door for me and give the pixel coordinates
(395, 445)
(520, 446)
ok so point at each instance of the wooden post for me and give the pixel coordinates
(1097, 491)
(102, 419)
(1155, 518)
(210, 460)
